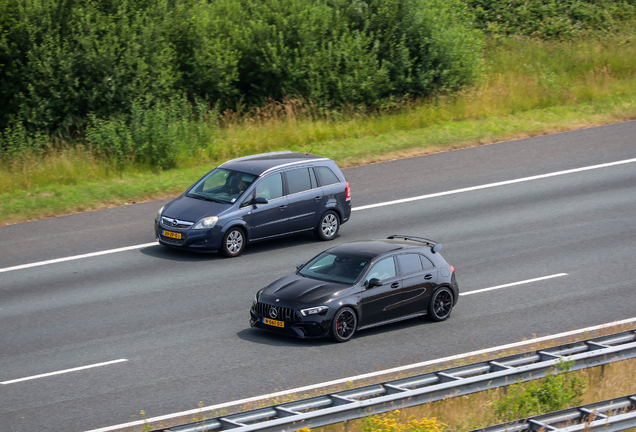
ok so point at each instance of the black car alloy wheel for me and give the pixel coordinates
(441, 304)
(233, 242)
(343, 325)
(328, 227)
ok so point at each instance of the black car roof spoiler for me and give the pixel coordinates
(435, 246)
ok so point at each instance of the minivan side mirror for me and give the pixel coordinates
(299, 266)
(260, 200)
(374, 282)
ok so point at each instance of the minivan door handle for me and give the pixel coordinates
(283, 207)
(428, 277)
(395, 285)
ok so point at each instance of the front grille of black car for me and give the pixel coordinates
(282, 314)
(173, 241)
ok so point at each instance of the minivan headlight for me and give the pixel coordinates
(206, 223)
(314, 310)
(158, 217)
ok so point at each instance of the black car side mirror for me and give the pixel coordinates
(374, 282)
(260, 200)
(299, 266)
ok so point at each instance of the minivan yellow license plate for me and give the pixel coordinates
(172, 234)
(274, 323)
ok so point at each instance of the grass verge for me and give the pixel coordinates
(103, 188)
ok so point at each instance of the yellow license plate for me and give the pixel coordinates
(172, 234)
(274, 322)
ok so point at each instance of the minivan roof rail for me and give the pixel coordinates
(257, 156)
(431, 243)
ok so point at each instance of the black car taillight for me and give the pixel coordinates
(348, 191)
(452, 269)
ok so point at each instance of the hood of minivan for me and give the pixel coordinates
(192, 209)
(297, 288)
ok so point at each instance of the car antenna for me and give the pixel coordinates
(312, 148)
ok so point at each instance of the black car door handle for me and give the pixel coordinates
(318, 198)
(428, 277)
(395, 285)
(283, 207)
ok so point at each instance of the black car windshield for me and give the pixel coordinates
(222, 185)
(344, 269)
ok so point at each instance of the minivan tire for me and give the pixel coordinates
(233, 242)
(328, 226)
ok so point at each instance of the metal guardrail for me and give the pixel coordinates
(417, 390)
(611, 415)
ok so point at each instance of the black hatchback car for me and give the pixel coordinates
(256, 198)
(359, 285)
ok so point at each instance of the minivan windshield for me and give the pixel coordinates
(335, 268)
(222, 185)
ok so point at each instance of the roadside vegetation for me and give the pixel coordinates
(120, 102)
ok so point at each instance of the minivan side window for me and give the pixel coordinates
(298, 180)
(270, 187)
(326, 176)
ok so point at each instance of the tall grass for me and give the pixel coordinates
(531, 87)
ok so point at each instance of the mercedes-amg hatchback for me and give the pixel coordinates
(359, 285)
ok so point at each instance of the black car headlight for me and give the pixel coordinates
(256, 296)
(314, 310)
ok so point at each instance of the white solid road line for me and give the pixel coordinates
(513, 284)
(63, 371)
(361, 377)
(76, 257)
(370, 206)
(491, 185)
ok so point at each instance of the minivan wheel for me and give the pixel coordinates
(344, 325)
(441, 304)
(233, 242)
(328, 226)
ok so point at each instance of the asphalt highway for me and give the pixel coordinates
(179, 323)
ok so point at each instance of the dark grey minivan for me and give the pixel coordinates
(256, 198)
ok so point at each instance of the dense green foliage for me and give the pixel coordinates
(551, 18)
(558, 390)
(72, 66)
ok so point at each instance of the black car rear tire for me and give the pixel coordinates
(233, 242)
(344, 325)
(441, 304)
(328, 226)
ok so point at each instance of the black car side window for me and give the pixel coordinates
(326, 176)
(298, 180)
(270, 187)
(383, 269)
(426, 262)
(409, 263)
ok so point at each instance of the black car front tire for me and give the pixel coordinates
(233, 242)
(344, 325)
(441, 304)
(328, 226)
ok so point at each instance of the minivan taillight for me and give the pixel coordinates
(452, 269)
(348, 192)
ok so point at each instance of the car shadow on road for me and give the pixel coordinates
(173, 254)
(267, 338)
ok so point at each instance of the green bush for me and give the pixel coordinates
(555, 392)
(64, 63)
(547, 19)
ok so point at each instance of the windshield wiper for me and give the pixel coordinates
(201, 197)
